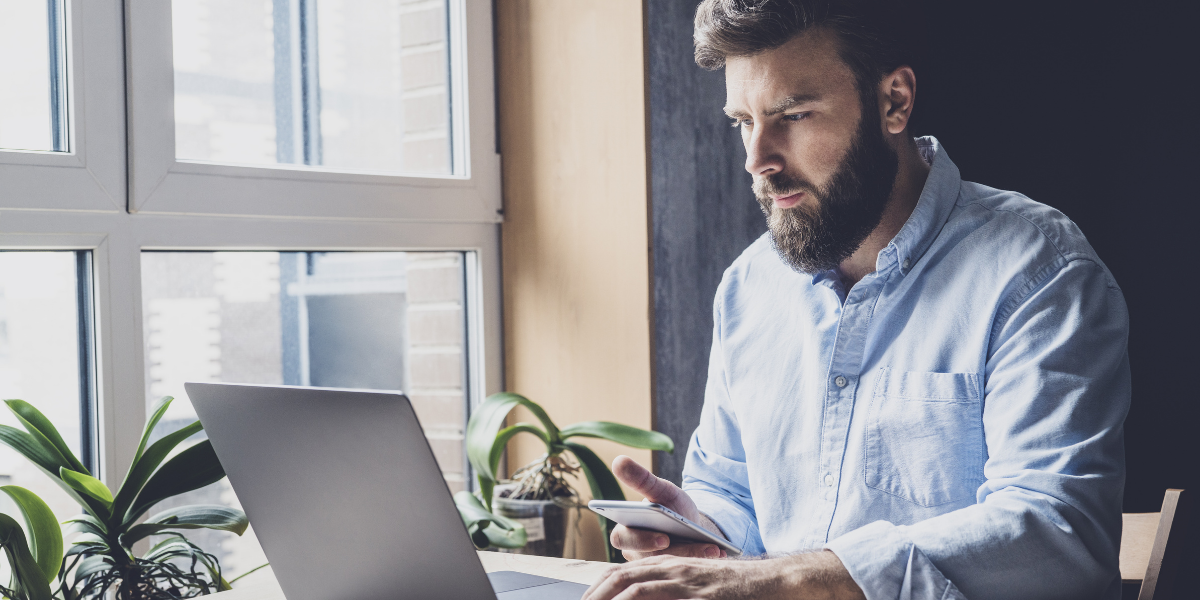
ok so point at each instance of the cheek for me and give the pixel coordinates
(816, 151)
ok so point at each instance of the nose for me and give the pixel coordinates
(762, 152)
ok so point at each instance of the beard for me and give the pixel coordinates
(813, 239)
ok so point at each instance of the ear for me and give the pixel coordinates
(899, 90)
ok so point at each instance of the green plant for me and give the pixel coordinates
(548, 477)
(34, 562)
(102, 556)
(488, 529)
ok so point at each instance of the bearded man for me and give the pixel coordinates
(917, 384)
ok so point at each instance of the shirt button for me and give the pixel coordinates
(829, 479)
(840, 381)
(906, 264)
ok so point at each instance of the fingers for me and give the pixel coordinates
(636, 544)
(638, 540)
(695, 550)
(655, 489)
(638, 580)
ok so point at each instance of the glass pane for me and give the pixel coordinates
(224, 80)
(352, 84)
(377, 320)
(39, 362)
(32, 96)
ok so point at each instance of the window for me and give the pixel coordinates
(33, 98)
(296, 108)
(355, 84)
(45, 359)
(374, 320)
(295, 173)
(370, 320)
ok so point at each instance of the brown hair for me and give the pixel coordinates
(872, 33)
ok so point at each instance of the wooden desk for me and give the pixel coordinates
(262, 585)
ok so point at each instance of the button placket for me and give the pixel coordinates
(843, 374)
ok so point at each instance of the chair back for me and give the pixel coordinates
(1149, 553)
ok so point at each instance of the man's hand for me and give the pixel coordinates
(816, 575)
(642, 543)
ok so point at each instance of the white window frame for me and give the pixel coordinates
(159, 183)
(79, 201)
(90, 176)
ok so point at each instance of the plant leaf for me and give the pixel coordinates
(28, 580)
(262, 566)
(156, 415)
(189, 470)
(87, 485)
(37, 424)
(45, 535)
(483, 427)
(488, 528)
(198, 516)
(29, 447)
(503, 538)
(141, 469)
(92, 565)
(633, 437)
(44, 457)
(87, 524)
(164, 546)
(501, 442)
(604, 487)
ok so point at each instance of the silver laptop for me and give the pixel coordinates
(345, 496)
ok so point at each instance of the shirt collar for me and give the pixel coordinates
(933, 208)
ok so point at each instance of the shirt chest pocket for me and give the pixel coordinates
(924, 436)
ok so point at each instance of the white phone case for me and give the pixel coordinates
(656, 517)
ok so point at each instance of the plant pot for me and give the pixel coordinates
(547, 523)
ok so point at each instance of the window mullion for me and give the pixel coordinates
(87, 364)
(58, 76)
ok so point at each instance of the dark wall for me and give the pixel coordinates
(1093, 112)
(702, 216)
(1086, 106)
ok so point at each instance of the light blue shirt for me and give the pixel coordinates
(951, 427)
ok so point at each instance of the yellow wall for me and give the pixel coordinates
(576, 266)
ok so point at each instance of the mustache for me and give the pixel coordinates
(781, 185)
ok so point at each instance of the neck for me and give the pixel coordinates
(910, 180)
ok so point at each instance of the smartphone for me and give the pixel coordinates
(656, 517)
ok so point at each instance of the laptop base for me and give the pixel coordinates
(511, 585)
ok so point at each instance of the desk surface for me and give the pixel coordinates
(262, 585)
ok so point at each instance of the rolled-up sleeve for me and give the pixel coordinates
(714, 474)
(1047, 521)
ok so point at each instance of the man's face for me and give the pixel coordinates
(823, 171)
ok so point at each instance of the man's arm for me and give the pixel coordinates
(715, 474)
(1048, 520)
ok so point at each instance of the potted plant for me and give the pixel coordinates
(102, 558)
(540, 491)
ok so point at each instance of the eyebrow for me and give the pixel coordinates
(778, 107)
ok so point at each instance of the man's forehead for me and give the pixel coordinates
(806, 67)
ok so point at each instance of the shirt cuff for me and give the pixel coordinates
(740, 528)
(886, 564)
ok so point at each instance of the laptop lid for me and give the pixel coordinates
(343, 492)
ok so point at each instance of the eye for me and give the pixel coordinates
(741, 123)
(796, 116)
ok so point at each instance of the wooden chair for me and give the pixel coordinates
(1149, 554)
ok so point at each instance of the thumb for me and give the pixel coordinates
(654, 488)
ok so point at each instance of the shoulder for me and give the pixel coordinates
(1014, 228)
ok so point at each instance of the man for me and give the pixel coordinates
(917, 384)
